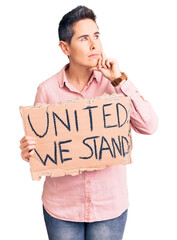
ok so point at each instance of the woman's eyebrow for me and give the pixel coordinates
(86, 35)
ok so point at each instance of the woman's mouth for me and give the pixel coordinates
(94, 55)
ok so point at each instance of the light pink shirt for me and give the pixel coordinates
(95, 195)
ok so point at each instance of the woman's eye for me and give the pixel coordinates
(96, 36)
(83, 39)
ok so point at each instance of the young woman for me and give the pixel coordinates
(92, 205)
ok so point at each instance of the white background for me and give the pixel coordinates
(141, 35)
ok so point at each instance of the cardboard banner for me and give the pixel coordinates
(79, 135)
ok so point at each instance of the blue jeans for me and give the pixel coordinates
(111, 229)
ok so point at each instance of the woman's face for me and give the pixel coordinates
(85, 47)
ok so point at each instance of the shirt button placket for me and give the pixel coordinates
(87, 196)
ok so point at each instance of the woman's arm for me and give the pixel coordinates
(142, 116)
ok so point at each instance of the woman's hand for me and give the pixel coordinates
(27, 145)
(108, 67)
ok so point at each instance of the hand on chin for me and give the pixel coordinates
(108, 67)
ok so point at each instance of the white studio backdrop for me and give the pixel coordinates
(141, 35)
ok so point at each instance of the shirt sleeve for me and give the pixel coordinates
(40, 95)
(142, 116)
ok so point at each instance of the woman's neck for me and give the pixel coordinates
(78, 76)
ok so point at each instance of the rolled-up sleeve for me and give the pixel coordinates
(142, 116)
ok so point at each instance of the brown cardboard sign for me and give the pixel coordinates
(79, 135)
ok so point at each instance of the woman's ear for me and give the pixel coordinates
(64, 47)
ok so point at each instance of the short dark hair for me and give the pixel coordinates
(65, 29)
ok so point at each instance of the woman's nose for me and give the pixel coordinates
(92, 45)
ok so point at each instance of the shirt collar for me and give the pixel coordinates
(62, 79)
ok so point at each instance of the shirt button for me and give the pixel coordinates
(88, 181)
(88, 200)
